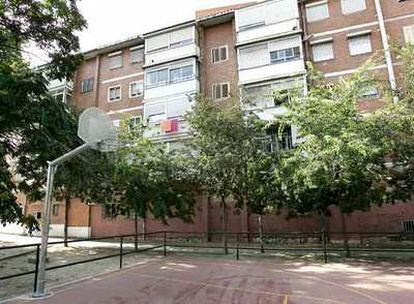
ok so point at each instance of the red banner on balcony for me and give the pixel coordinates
(169, 125)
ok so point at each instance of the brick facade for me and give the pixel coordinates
(216, 27)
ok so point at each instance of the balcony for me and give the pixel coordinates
(259, 33)
(171, 54)
(188, 86)
(267, 20)
(271, 71)
(156, 132)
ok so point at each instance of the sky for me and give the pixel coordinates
(113, 20)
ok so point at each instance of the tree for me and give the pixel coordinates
(221, 139)
(151, 180)
(24, 101)
(343, 161)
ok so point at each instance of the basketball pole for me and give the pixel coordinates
(52, 167)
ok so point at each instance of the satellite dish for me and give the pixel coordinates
(96, 128)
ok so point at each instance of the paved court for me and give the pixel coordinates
(180, 279)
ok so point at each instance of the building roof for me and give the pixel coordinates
(129, 42)
(218, 11)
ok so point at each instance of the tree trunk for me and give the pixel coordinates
(323, 234)
(65, 225)
(208, 218)
(261, 232)
(345, 236)
(136, 230)
(224, 221)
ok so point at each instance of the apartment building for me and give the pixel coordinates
(239, 54)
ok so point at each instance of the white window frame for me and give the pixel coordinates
(116, 54)
(130, 90)
(222, 97)
(226, 47)
(120, 93)
(134, 118)
(356, 36)
(352, 11)
(134, 49)
(169, 75)
(321, 42)
(323, 2)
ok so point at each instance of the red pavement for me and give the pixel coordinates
(199, 280)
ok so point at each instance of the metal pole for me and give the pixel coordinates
(121, 245)
(165, 243)
(40, 286)
(387, 53)
(36, 267)
(40, 290)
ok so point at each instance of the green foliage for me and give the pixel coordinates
(32, 124)
(345, 157)
(151, 180)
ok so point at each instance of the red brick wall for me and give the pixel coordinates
(221, 72)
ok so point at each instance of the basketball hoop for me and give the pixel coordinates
(98, 132)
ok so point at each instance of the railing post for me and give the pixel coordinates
(121, 243)
(237, 248)
(165, 243)
(36, 267)
(325, 257)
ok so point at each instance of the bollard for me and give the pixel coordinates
(121, 243)
(36, 267)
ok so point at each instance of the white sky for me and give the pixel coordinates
(114, 20)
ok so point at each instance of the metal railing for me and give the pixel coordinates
(313, 242)
(120, 254)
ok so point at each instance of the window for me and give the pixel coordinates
(254, 56)
(136, 89)
(173, 39)
(285, 55)
(137, 55)
(370, 93)
(408, 226)
(252, 17)
(157, 78)
(114, 93)
(134, 122)
(220, 91)
(181, 74)
(38, 215)
(177, 107)
(115, 60)
(317, 11)
(55, 209)
(219, 54)
(276, 139)
(181, 37)
(154, 109)
(322, 51)
(409, 33)
(360, 45)
(352, 6)
(87, 85)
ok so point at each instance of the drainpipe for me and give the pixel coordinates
(387, 52)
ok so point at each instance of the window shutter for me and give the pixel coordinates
(154, 108)
(177, 107)
(185, 34)
(323, 51)
(283, 44)
(252, 16)
(254, 56)
(360, 45)
(352, 6)
(281, 10)
(157, 42)
(317, 12)
(409, 33)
